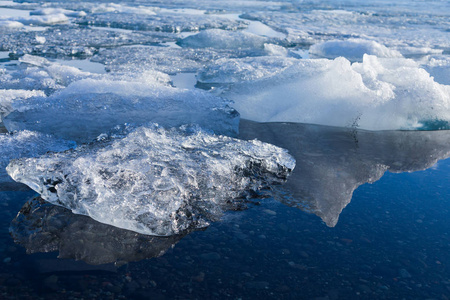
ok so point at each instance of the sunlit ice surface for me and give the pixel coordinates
(224, 149)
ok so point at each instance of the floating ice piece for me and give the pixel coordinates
(168, 22)
(439, 68)
(43, 20)
(43, 227)
(73, 41)
(88, 107)
(332, 162)
(120, 8)
(61, 74)
(275, 50)
(55, 11)
(153, 57)
(37, 73)
(352, 49)
(155, 181)
(377, 94)
(222, 39)
(10, 25)
(7, 97)
(225, 71)
(27, 144)
(138, 58)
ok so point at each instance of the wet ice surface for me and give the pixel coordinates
(391, 240)
(71, 70)
(155, 181)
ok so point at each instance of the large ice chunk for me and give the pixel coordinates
(88, 107)
(377, 94)
(155, 181)
(226, 71)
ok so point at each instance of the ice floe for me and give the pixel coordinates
(88, 107)
(223, 39)
(155, 181)
(376, 94)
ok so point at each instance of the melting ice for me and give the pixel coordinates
(155, 181)
(351, 64)
(376, 94)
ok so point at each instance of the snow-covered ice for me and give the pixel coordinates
(376, 94)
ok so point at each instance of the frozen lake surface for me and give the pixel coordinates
(224, 149)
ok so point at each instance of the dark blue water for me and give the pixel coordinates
(390, 242)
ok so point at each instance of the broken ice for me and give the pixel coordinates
(155, 181)
(375, 94)
(92, 104)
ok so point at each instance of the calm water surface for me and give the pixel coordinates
(365, 215)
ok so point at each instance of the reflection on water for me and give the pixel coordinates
(391, 242)
(332, 162)
(44, 227)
